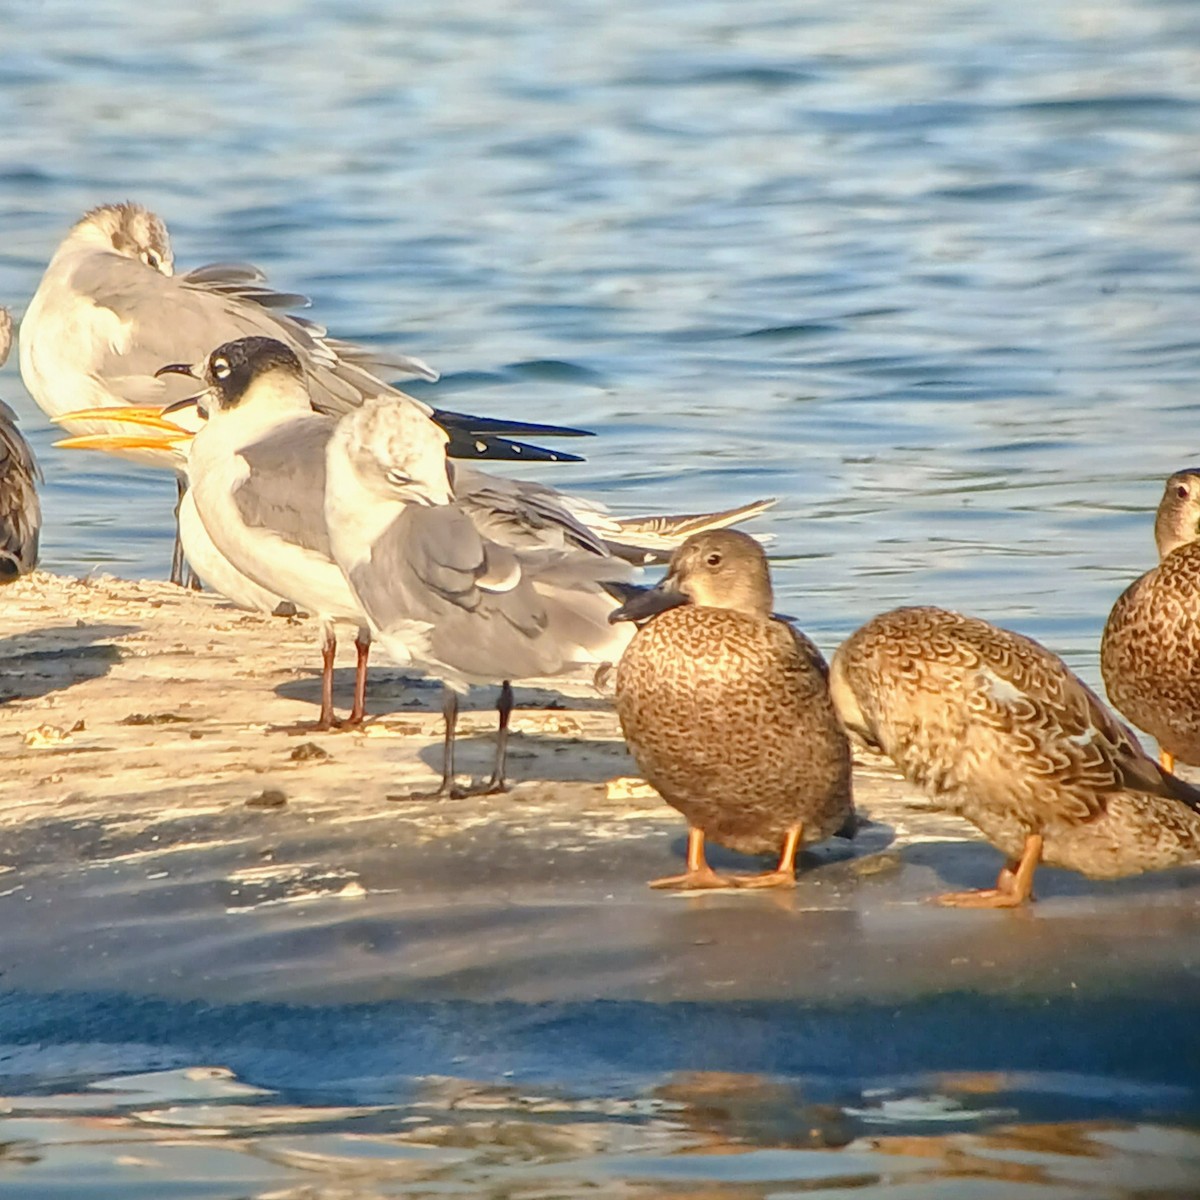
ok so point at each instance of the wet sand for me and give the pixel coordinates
(144, 725)
(342, 991)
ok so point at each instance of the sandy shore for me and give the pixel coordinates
(141, 699)
(143, 725)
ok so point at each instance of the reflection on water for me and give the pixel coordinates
(713, 1135)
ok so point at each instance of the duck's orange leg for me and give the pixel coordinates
(784, 875)
(1013, 888)
(1166, 760)
(699, 875)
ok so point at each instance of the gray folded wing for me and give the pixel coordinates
(472, 609)
(284, 491)
(527, 515)
(184, 318)
(360, 368)
(521, 514)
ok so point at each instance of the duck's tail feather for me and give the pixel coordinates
(1180, 789)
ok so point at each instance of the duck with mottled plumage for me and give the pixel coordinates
(1001, 732)
(20, 510)
(727, 711)
(1150, 652)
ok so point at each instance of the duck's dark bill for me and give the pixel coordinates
(648, 604)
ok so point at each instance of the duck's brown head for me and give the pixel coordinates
(718, 569)
(1178, 519)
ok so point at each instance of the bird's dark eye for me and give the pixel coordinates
(714, 559)
(1181, 491)
(220, 368)
(152, 260)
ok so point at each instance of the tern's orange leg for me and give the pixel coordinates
(699, 875)
(1166, 760)
(1013, 888)
(784, 875)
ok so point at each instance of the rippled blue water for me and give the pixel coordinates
(927, 272)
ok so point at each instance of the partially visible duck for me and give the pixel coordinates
(1001, 732)
(1150, 651)
(20, 511)
(727, 711)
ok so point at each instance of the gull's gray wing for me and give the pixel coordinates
(246, 282)
(361, 367)
(520, 514)
(162, 319)
(427, 571)
(285, 488)
(472, 609)
(183, 318)
(431, 563)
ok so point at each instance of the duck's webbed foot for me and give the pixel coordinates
(784, 875)
(1014, 886)
(703, 879)
(699, 876)
(767, 879)
(980, 898)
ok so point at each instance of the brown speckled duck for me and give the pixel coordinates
(20, 510)
(1150, 652)
(1002, 733)
(726, 710)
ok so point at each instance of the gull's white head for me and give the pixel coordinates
(129, 230)
(5, 334)
(396, 451)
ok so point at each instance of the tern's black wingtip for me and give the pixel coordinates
(500, 449)
(467, 424)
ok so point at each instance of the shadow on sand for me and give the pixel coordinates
(47, 660)
(538, 758)
(390, 691)
(960, 866)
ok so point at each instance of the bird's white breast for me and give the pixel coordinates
(299, 574)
